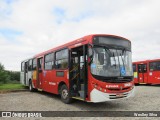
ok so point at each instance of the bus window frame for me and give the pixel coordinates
(30, 69)
(142, 68)
(22, 66)
(53, 66)
(34, 64)
(68, 58)
(135, 70)
(156, 65)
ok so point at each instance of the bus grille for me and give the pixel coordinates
(119, 80)
(114, 96)
(111, 89)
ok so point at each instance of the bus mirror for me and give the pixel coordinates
(90, 55)
(90, 50)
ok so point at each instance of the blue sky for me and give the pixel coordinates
(28, 27)
(10, 34)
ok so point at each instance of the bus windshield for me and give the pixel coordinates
(111, 62)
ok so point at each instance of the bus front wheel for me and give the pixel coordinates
(65, 96)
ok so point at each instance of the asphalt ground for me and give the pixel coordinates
(147, 98)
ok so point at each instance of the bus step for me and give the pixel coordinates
(82, 87)
(78, 98)
(40, 89)
(142, 83)
(81, 93)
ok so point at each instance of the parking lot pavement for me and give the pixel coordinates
(147, 98)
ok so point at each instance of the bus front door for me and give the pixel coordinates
(39, 73)
(78, 72)
(142, 73)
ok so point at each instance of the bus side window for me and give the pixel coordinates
(26, 66)
(30, 65)
(22, 66)
(40, 64)
(61, 60)
(144, 68)
(49, 61)
(154, 66)
(34, 64)
(158, 66)
(140, 68)
(134, 68)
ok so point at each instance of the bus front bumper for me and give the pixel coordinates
(99, 96)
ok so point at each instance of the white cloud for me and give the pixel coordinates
(38, 22)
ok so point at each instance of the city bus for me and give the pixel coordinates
(94, 68)
(147, 72)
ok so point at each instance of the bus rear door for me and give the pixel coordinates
(40, 73)
(142, 73)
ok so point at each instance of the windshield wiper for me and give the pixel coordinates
(109, 53)
(122, 57)
(114, 60)
(118, 62)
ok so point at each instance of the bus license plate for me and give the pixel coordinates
(119, 95)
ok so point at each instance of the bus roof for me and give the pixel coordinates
(145, 61)
(87, 39)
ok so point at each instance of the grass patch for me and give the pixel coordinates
(11, 86)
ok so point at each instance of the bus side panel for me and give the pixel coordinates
(90, 84)
(53, 78)
(22, 78)
(26, 74)
(29, 77)
(136, 78)
(135, 73)
(49, 83)
(145, 77)
(157, 77)
(61, 76)
(34, 79)
(154, 77)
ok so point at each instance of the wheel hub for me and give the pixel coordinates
(64, 94)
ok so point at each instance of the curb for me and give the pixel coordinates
(8, 91)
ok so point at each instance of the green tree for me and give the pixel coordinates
(4, 77)
(8, 76)
(1, 67)
(14, 75)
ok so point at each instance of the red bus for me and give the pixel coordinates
(147, 72)
(94, 68)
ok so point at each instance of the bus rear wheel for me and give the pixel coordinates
(65, 96)
(31, 89)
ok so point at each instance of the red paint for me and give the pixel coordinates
(146, 75)
(49, 81)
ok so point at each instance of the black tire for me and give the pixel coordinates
(31, 89)
(65, 95)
